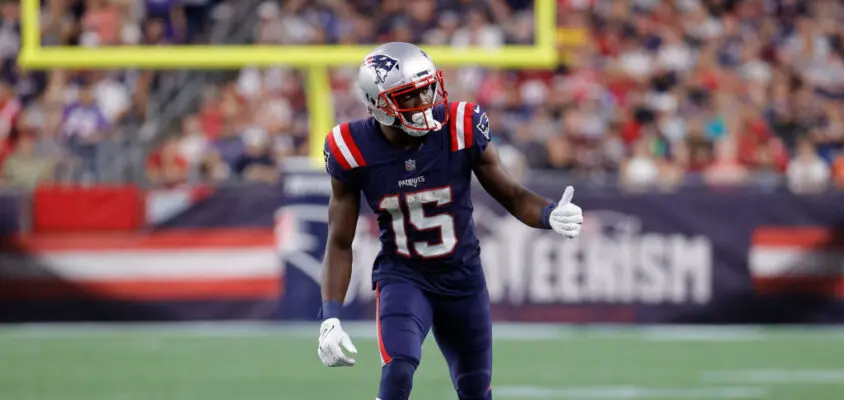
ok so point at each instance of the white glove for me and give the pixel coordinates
(567, 218)
(332, 341)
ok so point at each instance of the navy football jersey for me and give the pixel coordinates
(421, 197)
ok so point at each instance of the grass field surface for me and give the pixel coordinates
(255, 361)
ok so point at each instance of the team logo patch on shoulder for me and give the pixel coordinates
(483, 125)
(382, 65)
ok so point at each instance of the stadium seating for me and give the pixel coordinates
(649, 94)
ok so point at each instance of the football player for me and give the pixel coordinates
(413, 160)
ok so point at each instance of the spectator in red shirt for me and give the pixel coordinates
(838, 172)
(166, 166)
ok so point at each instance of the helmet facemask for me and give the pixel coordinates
(416, 121)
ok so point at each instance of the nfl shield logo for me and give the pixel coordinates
(410, 165)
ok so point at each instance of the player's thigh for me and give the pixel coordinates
(463, 330)
(404, 317)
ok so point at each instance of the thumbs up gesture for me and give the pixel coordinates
(567, 218)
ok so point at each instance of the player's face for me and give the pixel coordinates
(414, 103)
(411, 101)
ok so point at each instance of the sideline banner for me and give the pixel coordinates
(169, 275)
(255, 252)
(65, 209)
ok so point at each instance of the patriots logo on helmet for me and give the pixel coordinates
(382, 65)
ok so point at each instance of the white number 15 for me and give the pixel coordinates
(422, 222)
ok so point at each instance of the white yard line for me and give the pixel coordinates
(775, 376)
(366, 330)
(627, 392)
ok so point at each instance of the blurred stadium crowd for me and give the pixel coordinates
(59, 125)
(650, 94)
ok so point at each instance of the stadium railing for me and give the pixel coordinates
(315, 59)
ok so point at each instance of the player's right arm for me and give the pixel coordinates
(343, 209)
(335, 347)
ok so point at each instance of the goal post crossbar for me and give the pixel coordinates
(316, 60)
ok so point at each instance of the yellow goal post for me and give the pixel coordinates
(314, 59)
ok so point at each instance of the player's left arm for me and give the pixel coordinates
(528, 207)
(524, 204)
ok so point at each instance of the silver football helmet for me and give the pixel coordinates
(395, 69)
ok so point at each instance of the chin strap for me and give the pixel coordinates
(418, 119)
(420, 132)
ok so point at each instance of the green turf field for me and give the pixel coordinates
(531, 362)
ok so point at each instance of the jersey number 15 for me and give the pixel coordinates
(421, 222)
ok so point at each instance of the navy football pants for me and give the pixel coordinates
(462, 327)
